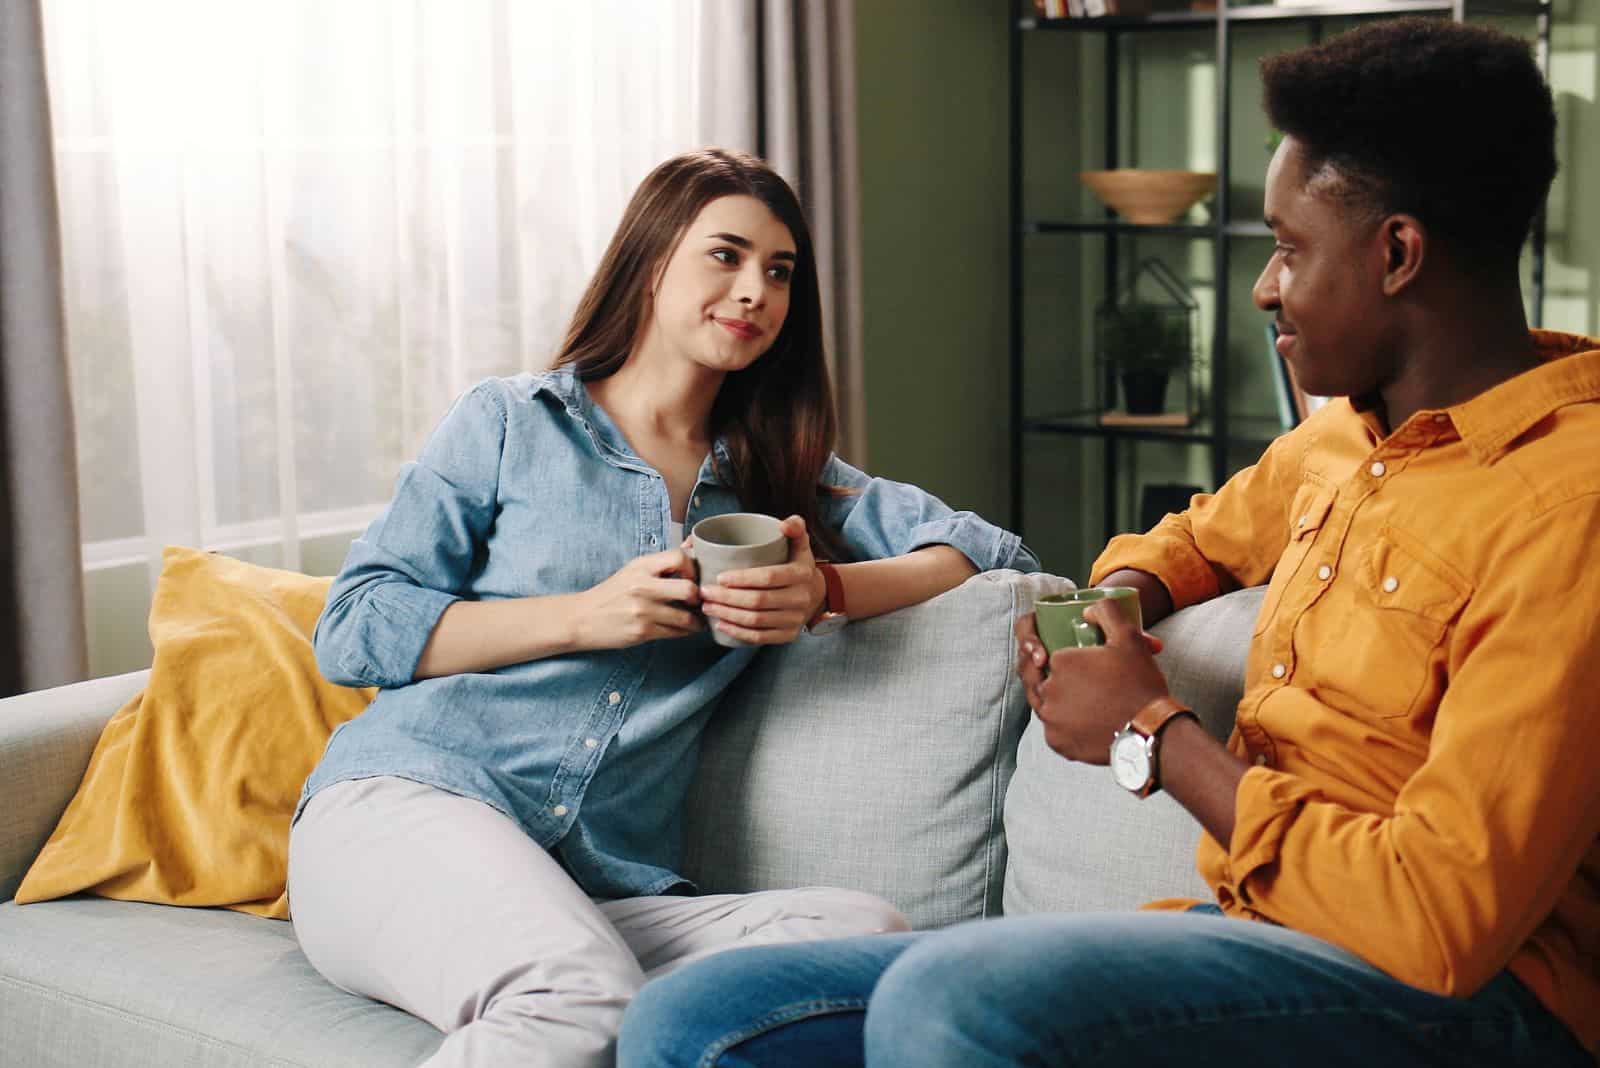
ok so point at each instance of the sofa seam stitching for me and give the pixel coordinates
(996, 811)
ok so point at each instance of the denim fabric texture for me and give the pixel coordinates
(1159, 990)
(527, 488)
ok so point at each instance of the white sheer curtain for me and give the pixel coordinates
(293, 230)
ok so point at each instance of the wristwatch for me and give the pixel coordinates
(830, 614)
(1135, 764)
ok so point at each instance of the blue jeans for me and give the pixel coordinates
(1143, 989)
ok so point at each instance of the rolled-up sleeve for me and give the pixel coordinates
(409, 566)
(1223, 540)
(879, 518)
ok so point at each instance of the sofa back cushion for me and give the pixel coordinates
(876, 758)
(1078, 842)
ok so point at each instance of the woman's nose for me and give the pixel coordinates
(750, 287)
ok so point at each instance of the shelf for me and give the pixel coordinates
(1248, 431)
(1159, 20)
(1117, 226)
(1226, 437)
(1332, 9)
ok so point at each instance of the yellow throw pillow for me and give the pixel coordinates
(189, 791)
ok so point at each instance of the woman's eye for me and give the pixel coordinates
(725, 255)
(780, 273)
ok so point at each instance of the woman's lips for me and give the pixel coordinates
(740, 328)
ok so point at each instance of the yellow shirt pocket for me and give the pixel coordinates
(1412, 596)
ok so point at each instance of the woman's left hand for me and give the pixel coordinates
(768, 605)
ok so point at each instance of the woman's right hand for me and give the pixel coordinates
(649, 597)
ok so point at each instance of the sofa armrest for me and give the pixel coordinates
(46, 739)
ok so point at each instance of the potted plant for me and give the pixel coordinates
(1144, 335)
(1144, 345)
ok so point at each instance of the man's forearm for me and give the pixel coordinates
(1201, 775)
(1155, 603)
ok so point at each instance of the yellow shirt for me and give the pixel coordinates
(1422, 700)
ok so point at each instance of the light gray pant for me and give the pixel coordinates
(445, 908)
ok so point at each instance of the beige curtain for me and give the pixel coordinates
(806, 129)
(42, 640)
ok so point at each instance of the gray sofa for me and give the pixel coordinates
(896, 756)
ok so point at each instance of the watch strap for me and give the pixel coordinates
(1150, 719)
(833, 601)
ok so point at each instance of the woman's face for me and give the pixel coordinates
(723, 295)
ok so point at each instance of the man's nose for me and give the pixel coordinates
(1265, 291)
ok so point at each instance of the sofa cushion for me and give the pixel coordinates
(88, 981)
(1079, 842)
(875, 758)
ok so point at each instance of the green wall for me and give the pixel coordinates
(933, 139)
(932, 126)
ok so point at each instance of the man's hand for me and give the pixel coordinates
(1090, 694)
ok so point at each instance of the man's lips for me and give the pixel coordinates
(739, 327)
(1285, 338)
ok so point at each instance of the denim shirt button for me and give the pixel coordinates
(559, 810)
(697, 502)
(591, 743)
(615, 698)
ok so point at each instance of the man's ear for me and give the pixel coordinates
(1405, 246)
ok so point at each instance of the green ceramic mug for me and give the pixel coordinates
(1060, 621)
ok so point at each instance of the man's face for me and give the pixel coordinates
(1324, 282)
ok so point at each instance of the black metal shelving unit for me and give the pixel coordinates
(1217, 428)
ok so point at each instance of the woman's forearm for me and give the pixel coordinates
(484, 635)
(874, 587)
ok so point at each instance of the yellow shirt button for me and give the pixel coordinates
(1391, 584)
(1377, 469)
(1279, 671)
(1324, 572)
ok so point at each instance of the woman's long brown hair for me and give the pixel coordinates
(775, 416)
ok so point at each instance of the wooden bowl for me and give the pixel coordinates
(1150, 197)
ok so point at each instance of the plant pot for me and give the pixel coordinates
(1145, 391)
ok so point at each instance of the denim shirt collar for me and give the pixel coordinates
(564, 385)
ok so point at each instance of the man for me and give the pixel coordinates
(1401, 833)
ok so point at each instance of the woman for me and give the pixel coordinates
(492, 846)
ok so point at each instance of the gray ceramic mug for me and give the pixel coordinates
(732, 542)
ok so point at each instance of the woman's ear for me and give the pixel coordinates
(1405, 246)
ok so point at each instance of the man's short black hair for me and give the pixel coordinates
(1450, 123)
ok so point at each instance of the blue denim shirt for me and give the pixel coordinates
(527, 488)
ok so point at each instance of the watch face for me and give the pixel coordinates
(1130, 761)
